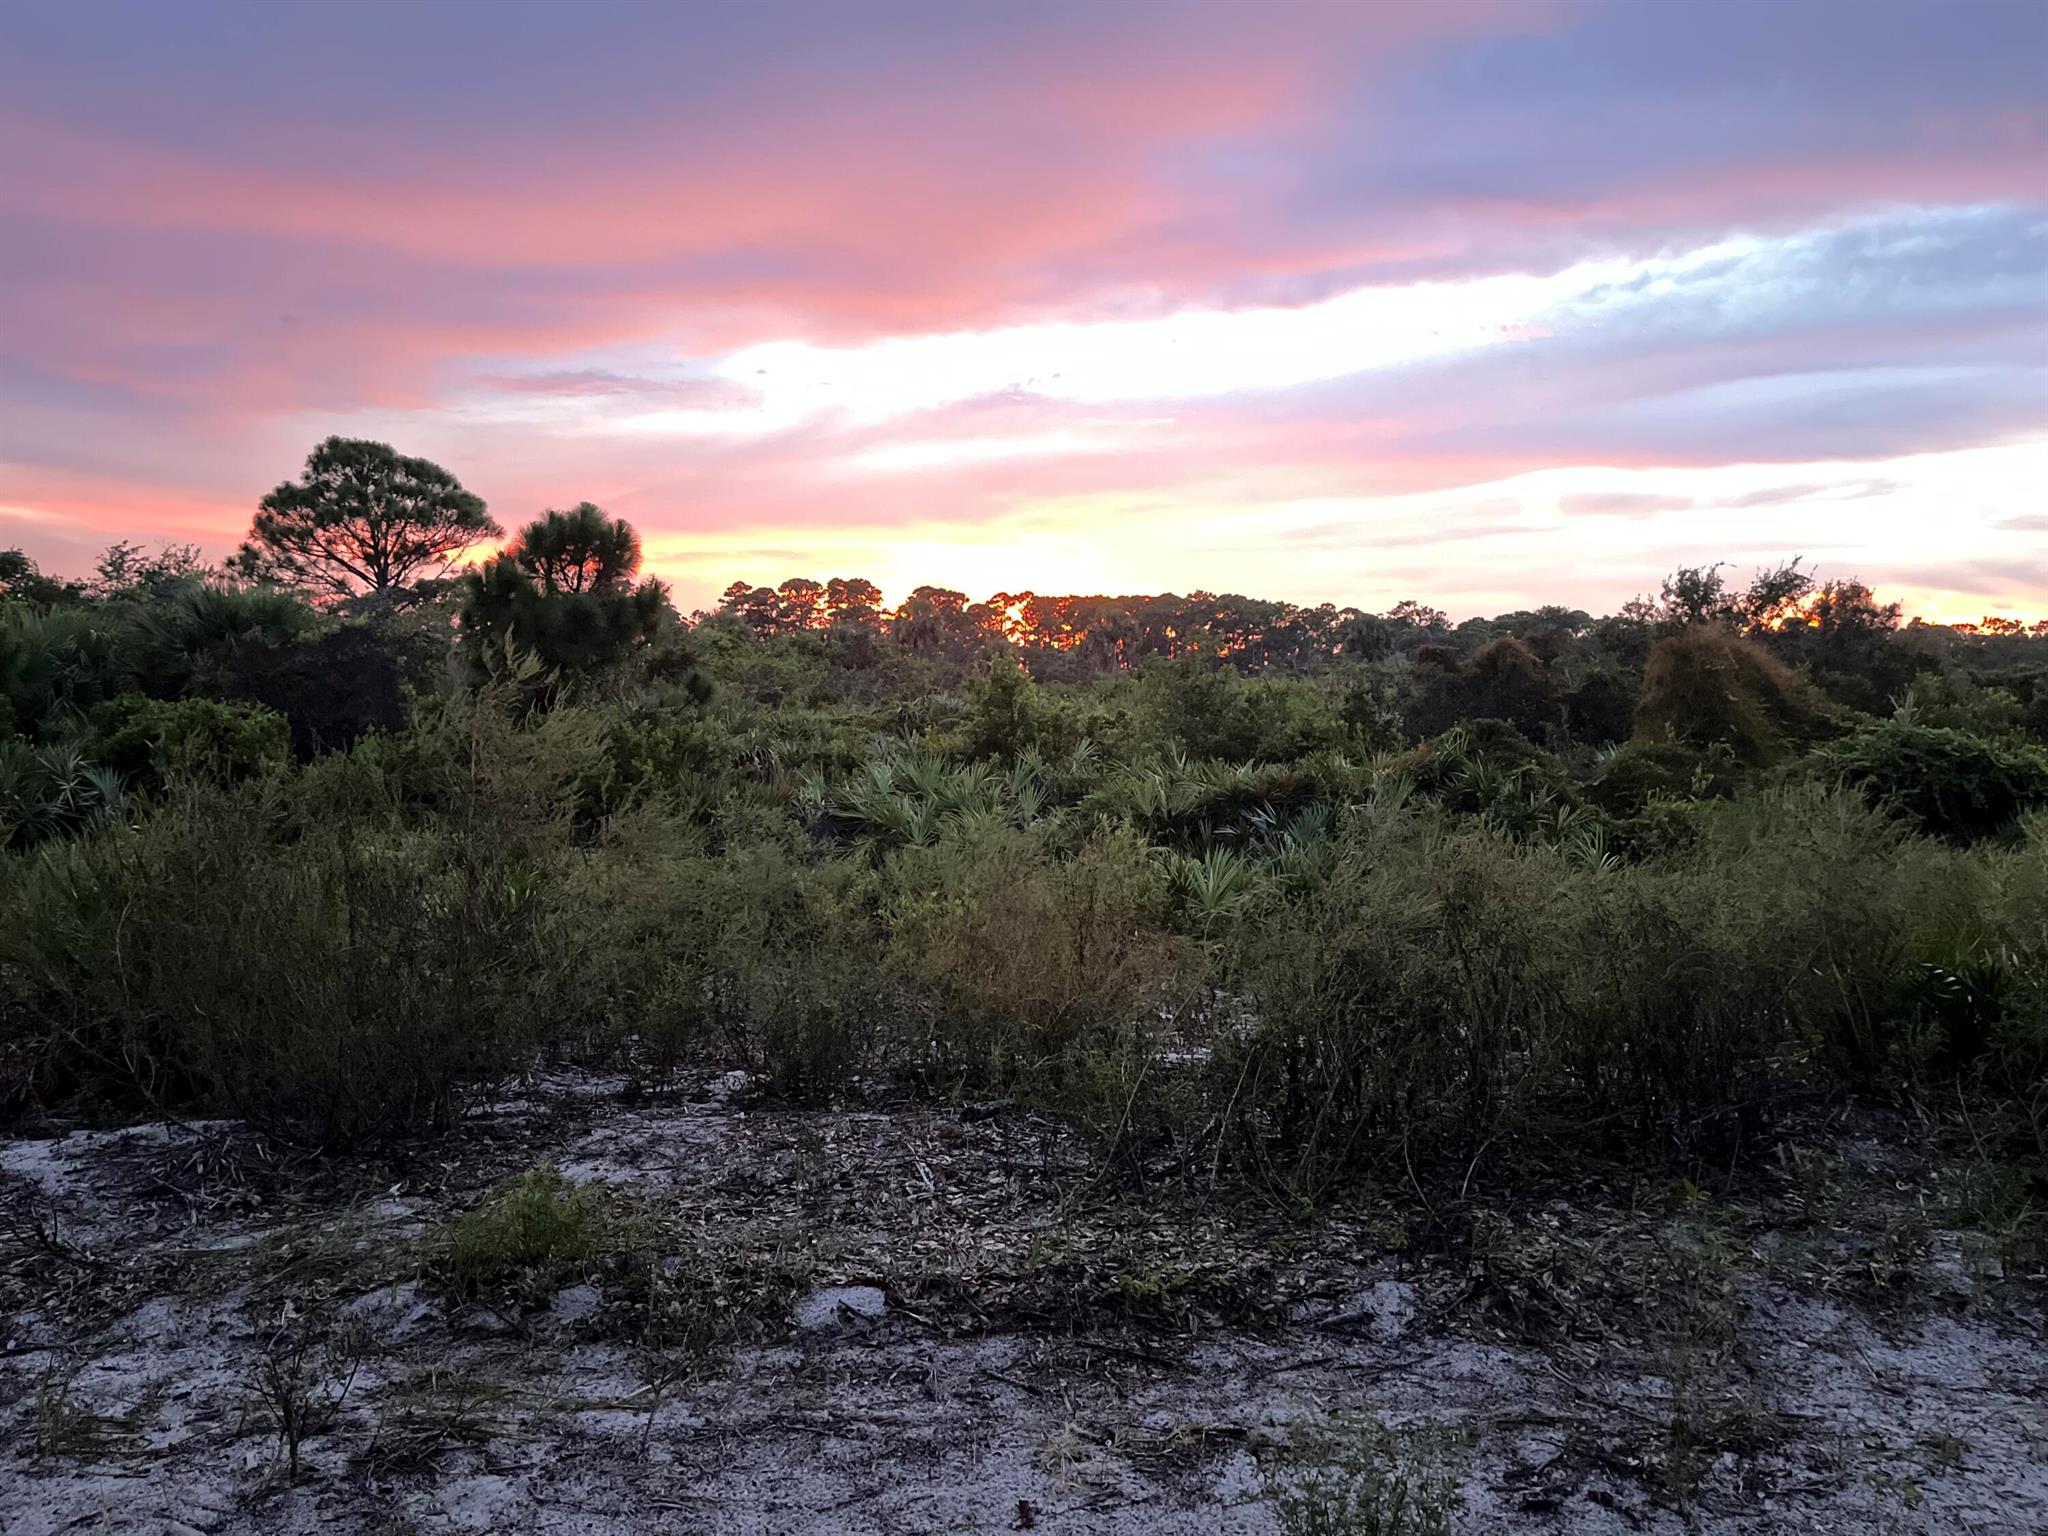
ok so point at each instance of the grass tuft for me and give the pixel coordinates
(537, 1226)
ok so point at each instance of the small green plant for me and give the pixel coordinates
(1359, 1478)
(537, 1225)
(1893, 1500)
(66, 1427)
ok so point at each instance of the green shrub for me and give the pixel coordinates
(1948, 783)
(654, 755)
(1445, 985)
(188, 641)
(54, 791)
(796, 988)
(149, 741)
(1022, 960)
(312, 954)
(1639, 773)
(754, 954)
(1191, 806)
(1400, 999)
(1358, 1478)
(1458, 766)
(536, 1227)
(1208, 710)
(1678, 1011)
(652, 903)
(1954, 702)
(55, 666)
(1004, 713)
(1972, 994)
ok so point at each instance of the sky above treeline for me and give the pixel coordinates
(1485, 302)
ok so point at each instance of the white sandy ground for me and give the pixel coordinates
(841, 1420)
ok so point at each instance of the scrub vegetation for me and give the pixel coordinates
(1282, 904)
(1285, 891)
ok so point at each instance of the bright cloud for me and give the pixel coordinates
(1207, 353)
(1743, 285)
(1183, 356)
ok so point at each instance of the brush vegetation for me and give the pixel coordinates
(1288, 894)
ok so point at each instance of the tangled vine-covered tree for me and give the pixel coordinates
(564, 591)
(1707, 685)
(363, 519)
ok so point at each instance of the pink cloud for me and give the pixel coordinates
(198, 282)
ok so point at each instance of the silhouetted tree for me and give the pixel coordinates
(363, 518)
(937, 621)
(1419, 616)
(130, 571)
(800, 604)
(564, 590)
(22, 581)
(1699, 594)
(1695, 594)
(1844, 637)
(852, 601)
(760, 607)
(1775, 597)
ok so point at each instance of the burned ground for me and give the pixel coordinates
(917, 1318)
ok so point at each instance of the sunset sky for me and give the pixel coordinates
(1485, 302)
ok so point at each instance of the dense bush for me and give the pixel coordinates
(1950, 783)
(1022, 962)
(191, 641)
(1640, 772)
(333, 688)
(315, 955)
(1447, 986)
(753, 954)
(1212, 711)
(1598, 708)
(54, 791)
(55, 666)
(151, 741)
(1501, 680)
(1423, 955)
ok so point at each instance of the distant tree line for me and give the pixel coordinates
(369, 580)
